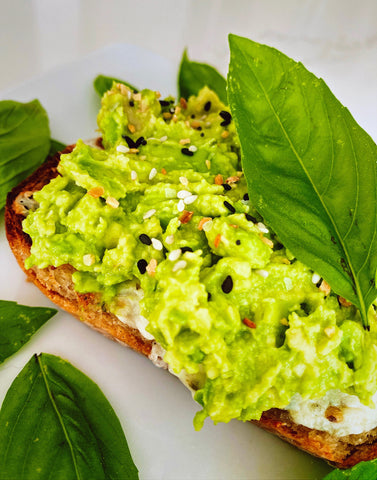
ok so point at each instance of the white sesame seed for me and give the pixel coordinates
(179, 265)
(190, 199)
(262, 273)
(193, 148)
(262, 227)
(156, 244)
(181, 206)
(112, 202)
(174, 254)
(152, 173)
(207, 226)
(164, 138)
(122, 149)
(88, 259)
(208, 164)
(288, 283)
(183, 194)
(169, 239)
(149, 213)
(184, 181)
(133, 175)
(316, 278)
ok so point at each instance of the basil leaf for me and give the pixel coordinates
(311, 169)
(17, 324)
(193, 76)
(361, 471)
(102, 84)
(55, 147)
(55, 419)
(24, 142)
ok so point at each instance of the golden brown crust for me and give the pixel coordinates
(56, 283)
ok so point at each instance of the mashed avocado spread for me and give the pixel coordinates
(164, 207)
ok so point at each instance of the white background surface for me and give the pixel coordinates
(44, 39)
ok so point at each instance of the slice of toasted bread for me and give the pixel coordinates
(57, 284)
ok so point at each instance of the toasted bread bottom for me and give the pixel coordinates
(57, 284)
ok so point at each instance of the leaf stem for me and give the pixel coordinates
(55, 407)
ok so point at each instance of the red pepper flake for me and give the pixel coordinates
(131, 128)
(219, 179)
(163, 171)
(183, 103)
(249, 323)
(96, 192)
(186, 216)
(233, 225)
(217, 241)
(344, 302)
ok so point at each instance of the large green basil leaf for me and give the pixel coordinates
(102, 84)
(361, 471)
(311, 169)
(17, 324)
(24, 142)
(193, 76)
(56, 423)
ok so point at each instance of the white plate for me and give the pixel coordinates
(156, 411)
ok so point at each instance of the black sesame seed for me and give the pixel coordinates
(227, 118)
(202, 134)
(192, 116)
(140, 141)
(142, 266)
(187, 152)
(209, 297)
(227, 284)
(145, 239)
(251, 218)
(164, 103)
(199, 128)
(132, 103)
(186, 249)
(130, 142)
(238, 242)
(278, 246)
(207, 106)
(226, 186)
(246, 196)
(229, 207)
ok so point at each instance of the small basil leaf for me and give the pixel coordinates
(55, 147)
(24, 142)
(193, 76)
(56, 423)
(361, 471)
(17, 324)
(102, 84)
(311, 169)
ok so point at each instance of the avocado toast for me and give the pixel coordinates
(171, 227)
